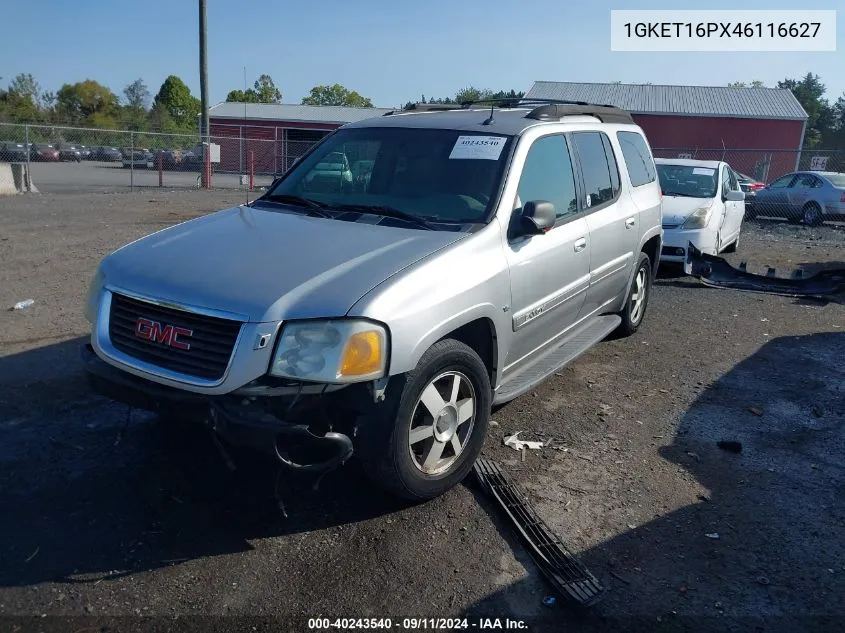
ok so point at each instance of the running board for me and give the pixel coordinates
(572, 347)
(559, 566)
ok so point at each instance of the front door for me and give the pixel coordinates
(734, 210)
(773, 200)
(612, 221)
(549, 273)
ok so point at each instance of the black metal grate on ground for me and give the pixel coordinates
(559, 566)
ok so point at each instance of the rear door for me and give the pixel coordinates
(611, 219)
(550, 273)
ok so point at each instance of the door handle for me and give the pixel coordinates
(580, 244)
(630, 222)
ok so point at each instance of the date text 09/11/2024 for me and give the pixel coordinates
(416, 624)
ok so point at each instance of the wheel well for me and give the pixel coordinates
(652, 249)
(480, 335)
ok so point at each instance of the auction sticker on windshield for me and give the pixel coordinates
(478, 147)
(703, 171)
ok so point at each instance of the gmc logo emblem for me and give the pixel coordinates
(164, 334)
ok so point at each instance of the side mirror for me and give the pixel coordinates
(735, 196)
(538, 217)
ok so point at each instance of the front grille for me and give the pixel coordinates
(212, 339)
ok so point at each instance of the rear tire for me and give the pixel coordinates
(637, 300)
(441, 420)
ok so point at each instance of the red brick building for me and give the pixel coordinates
(272, 135)
(759, 131)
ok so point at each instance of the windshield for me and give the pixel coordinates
(446, 176)
(687, 180)
(838, 180)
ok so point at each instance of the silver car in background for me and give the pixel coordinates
(404, 276)
(810, 197)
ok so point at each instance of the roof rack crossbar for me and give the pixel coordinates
(604, 113)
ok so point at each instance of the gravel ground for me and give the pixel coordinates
(108, 515)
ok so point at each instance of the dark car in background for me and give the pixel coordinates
(106, 154)
(44, 152)
(750, 186)
(69, 153)
(11, 152)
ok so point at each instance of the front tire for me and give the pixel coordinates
(812, 214)
(440, 424)
(637, 301)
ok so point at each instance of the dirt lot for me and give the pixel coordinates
(107, 515)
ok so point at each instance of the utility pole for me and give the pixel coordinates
(205, 131)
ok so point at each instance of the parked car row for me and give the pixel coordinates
(12, 151)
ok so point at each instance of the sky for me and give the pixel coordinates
(390, 51)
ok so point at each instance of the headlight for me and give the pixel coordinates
(339, 351)
(92, 299)
(699, 218)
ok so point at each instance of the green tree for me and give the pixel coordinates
(87, 102)
(741, 84)
(266, 90)
(262, 91)
(182, 107)
(137, 95)
(809, 91)
(137, 98)
(336, 95)
(241, 96)
(21, 99)
(24, 85)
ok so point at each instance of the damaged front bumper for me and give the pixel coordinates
(305, 440)
(716, 272)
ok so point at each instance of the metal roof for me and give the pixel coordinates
(715, 101)
(293, 112)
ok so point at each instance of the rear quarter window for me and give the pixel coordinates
(637, 157)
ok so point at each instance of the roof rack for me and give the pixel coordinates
(426, 107)
(554, 109)
(604, 113)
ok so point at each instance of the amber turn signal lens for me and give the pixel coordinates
(363, 355)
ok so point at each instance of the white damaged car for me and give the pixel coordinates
(703, 204)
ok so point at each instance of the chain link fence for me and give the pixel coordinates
(62, 159)
(763, 165)
(247, 157)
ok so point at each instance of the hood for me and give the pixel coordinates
(268, 265)
(676, 209)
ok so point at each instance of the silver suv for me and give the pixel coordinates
(406, 275)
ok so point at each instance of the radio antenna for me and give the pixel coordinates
(242, 136)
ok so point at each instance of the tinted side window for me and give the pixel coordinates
(781, 182)
(598, 186)
(726, 181)
(734, 182)
(611, 164)
(548, 175)
(637, 158)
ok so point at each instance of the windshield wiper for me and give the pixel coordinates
(389, 212)
(311, 205)
(678, 194)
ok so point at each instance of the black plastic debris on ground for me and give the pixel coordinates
(558, 565)
(718, 273)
